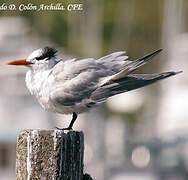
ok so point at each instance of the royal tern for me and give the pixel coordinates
(75, 86)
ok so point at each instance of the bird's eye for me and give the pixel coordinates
(39, 58)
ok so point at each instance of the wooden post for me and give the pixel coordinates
(50, 155)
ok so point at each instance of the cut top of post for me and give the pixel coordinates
(49, 154)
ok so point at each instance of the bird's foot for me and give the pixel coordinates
(74, 117)
(64, 129)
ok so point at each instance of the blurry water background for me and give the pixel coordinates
(141, 134)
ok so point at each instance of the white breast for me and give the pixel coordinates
(38, 84)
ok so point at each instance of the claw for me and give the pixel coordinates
(64, 129)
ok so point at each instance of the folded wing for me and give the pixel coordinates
(93, 81)
(127, 83)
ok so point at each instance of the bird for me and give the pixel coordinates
(74, 86)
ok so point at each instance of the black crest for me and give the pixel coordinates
(47, 52)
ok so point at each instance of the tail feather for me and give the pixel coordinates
(140, 62)
(131, 67)
(128, 83)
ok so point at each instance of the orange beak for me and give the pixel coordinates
(21, 62)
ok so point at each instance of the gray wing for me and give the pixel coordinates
(95, 80)
(124, 81)
(128, 83)
(76, 80)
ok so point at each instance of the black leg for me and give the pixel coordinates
(74, 117)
